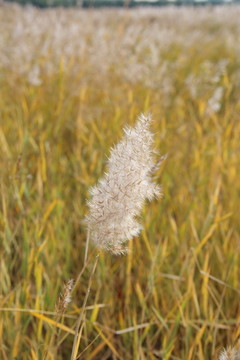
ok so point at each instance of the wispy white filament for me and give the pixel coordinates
(230, 354)
(119, 196)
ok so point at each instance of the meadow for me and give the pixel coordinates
(70, 80)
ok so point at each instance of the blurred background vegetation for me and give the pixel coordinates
(120, 3)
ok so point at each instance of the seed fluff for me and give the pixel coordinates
(117, 200)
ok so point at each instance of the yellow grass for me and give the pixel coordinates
(176, 295)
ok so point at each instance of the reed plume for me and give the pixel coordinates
(118, 197)
(231, 353)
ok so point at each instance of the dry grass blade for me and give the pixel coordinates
(53, 322)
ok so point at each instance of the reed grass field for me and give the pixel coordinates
(70, 81)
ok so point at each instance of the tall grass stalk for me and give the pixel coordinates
(118, 198)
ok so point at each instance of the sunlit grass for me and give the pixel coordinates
(176, 295)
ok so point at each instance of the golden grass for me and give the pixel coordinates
(176, 295)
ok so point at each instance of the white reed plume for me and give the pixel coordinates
(118, 197)
(231, 353)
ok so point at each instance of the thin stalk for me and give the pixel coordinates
(87, 246)
(78, 330)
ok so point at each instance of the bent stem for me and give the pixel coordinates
(78, 330)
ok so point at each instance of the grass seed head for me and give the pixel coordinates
(65, 298)
(231, 353)
(118, 197)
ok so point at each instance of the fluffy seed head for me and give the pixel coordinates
(118, 197)
(231, 353)
(65, 298)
